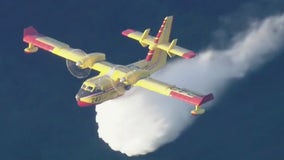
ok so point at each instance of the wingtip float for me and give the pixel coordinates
(114, 80)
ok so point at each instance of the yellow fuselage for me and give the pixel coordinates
(112, 82)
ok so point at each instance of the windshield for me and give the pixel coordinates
(87, 88)
(94, 89)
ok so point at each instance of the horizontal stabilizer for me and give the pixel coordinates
(139, 36)
(147, 40)
(173, 49)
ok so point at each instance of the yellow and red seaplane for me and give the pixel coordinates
(114, 80)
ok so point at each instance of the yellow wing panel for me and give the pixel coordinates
(155, 86)
(37, 40)
(173, 91)
(32, 37)
(143, 38)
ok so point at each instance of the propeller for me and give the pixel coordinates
(77, 71)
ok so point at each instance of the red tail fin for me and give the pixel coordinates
(159, 35)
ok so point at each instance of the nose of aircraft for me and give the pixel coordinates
(82, 103)
(77, 97)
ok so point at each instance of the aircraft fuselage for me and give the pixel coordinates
(96, 90)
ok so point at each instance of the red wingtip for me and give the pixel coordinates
(29, 31)
(126, 32)
(189, 55)
(196, 100)
(207, 98)
(189, 99)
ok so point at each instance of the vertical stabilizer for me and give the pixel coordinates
(162, 36)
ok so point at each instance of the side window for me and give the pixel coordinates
(98, 89)
(90, 88)
(83, 86)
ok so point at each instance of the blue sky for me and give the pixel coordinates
(39, 116)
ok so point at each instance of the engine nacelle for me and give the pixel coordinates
(89, 59)
(133, 76)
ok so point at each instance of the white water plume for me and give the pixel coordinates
(142, 121)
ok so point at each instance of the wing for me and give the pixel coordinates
(175, 92)
(36, 40)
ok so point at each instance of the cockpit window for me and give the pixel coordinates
(90, 88)
(83, 86)
(87, 88)
(97, 90)
(93, 89)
